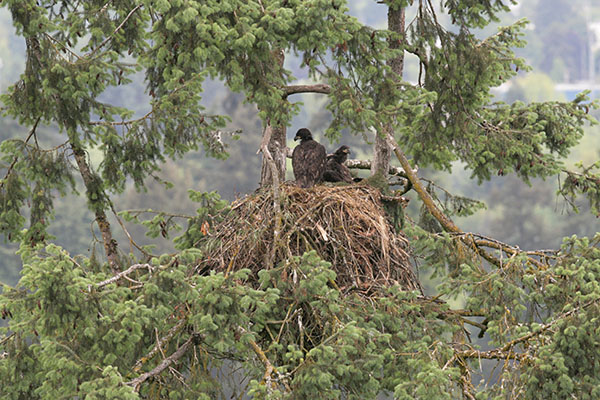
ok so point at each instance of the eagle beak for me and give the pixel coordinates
(296, 138)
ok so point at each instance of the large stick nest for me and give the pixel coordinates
(346, 225)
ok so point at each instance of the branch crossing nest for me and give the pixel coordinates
(346, 225)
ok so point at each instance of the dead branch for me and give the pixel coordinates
(495, 354)
(131, 241)
(366, 164)
(160, 344)
(269, 368)
(135, 383)
(121, 275)
(317, 88)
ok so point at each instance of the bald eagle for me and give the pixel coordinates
(336, 171)
(308, 160)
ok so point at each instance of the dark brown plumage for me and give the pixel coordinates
(308, 160)
(336, 171)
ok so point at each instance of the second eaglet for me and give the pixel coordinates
(335, 170)
(308, 160)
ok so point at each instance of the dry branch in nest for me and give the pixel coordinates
(346, 225)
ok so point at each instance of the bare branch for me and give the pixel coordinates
(135, 383)
(121, 275)
(131, 241)
(130, 122)
(366, 164)
(160, 344)
(317, 88)
(269, 368)
(264, 148)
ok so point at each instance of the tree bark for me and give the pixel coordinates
(381, 149)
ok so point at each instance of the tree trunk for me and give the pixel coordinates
(93, 186)
(277, 141)
(381, 149)
(277, 147)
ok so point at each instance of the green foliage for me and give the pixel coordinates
(587, 183)
(69, 324)
(163, 328)
(35, 175)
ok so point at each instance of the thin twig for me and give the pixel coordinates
(133, 242)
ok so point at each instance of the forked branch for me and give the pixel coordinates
(135, 383)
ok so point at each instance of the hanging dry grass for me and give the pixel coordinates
(346, 225)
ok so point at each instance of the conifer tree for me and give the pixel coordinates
(163, 326)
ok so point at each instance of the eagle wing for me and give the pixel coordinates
(308, 162)
(337, 172)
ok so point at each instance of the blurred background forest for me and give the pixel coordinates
(563, 50)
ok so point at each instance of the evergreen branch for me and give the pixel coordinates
(108, 38)
(447, 223)
(151, 211)
(6, 339)
(16, 158)
(506, 352)
(444, 220)
(64, 47)
(547, 326)
(130, 122)
(135, 383)
(411, 174)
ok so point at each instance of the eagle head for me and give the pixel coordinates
(303, 134)
(344, 149)
(341, 154)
